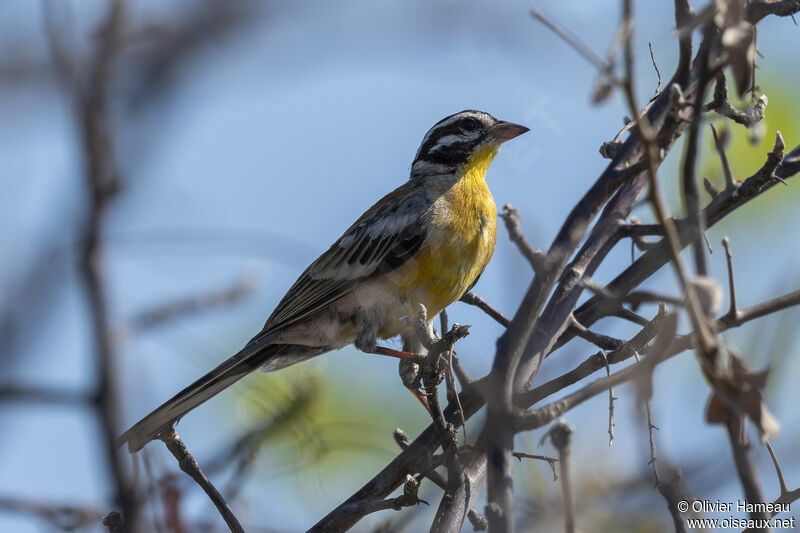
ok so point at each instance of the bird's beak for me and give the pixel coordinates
(507, 130)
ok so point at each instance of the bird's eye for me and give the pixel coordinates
(470, 124)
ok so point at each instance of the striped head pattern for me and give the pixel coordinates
(452, 140)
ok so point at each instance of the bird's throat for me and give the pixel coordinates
(478, 163)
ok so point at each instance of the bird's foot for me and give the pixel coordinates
(423, 399)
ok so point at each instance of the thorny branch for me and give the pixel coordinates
(666, 117)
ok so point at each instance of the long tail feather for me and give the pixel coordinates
(250, 358)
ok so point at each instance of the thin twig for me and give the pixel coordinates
(705, 340)
(536, 418)
(551, 461)
(403, 441)
(595, 362)
(778, 471)
(53, 396)
(473, 299)
(579, 46)
(746, 469)
(653, 59)
(690, 186)
(670, 489)
(650, 428)
(61, 517)
(164, 313)
(604, 342)
(514, 227)
(635, 298)
(611, 399)
(189, 465)
(733, 310)
(730, 182)
(787, 497)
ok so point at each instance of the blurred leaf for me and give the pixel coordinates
(745, 157)
(341, 430)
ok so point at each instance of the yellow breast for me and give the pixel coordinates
(460, 242)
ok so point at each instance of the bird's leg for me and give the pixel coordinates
(411, 376)
(408, 358)
(366, 337)
(410, 361)
(400, 354)
(411, 372)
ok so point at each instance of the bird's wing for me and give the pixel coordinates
(385, 237)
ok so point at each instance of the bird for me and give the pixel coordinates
(426, 242)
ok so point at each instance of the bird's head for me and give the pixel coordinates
(462, 140)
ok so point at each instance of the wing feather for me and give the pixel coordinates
(385, 237)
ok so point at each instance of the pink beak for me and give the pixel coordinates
(507, 130)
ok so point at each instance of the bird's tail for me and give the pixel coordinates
(249, 358)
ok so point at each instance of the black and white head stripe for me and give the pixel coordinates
(451, 140)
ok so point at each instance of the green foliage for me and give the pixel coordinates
(747, 149)
(315, 423)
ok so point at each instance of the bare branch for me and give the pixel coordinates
(477, 520)
(551, 461)
(177, 309)
(101, 183)
(409, 498)
(603, 342)
(778, 471)
(690, 184)
(60, 516)
(473, 299)
(653, 59)
(527, 420)
(189, 465)
(748, 117)
(113, 522)
(668, 490)
(730, 182)
(732, 312)
(595, 362)
(683, 16)
(572, 40)
(656, 257)
(745, 468)
(611, 399)
(49, 395)
(787, 497)
(755, 10)
(560, 435)
(514, 227)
